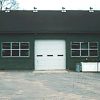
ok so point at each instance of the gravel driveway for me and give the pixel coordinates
(32, 85)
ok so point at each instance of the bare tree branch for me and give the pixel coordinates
(11, 4)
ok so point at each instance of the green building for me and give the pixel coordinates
(48, 40)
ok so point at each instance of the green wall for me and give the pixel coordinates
(72, 61)
(17, 62)
(22, 63)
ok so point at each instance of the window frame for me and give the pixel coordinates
(88, 49)
(11, 49)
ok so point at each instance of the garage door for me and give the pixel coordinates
(50, 54)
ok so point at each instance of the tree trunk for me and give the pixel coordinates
(0, 5)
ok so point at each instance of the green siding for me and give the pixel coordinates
(72, 61)
(17, 62)
(27, 63)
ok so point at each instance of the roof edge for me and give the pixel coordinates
(49, 10)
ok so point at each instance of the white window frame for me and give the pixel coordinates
(15, 49)
(80, 49)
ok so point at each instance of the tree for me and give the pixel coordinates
(8, 4)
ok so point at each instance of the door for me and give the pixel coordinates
(50, 55)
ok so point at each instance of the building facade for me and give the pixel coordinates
(48, 40)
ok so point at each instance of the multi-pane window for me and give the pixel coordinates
(84, 49)
(15, 49)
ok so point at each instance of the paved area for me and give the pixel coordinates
(28, 85)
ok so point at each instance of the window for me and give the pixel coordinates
(84, 45)
(93, 45)
(84, 53)
(75, 52)
(15, 49)
(84, 49)
(75, 45)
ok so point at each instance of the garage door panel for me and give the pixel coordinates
(50, 54)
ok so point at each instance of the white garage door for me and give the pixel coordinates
(50, 54)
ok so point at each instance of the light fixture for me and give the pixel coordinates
(91, 9)
(35, 9)
(7, 9)
(63, 9)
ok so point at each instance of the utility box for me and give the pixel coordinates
(89, 66)
(78, 67)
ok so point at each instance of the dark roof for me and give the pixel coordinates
(72, 21)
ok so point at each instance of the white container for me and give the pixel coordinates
(90, 66)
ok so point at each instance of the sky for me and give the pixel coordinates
(58, 4)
